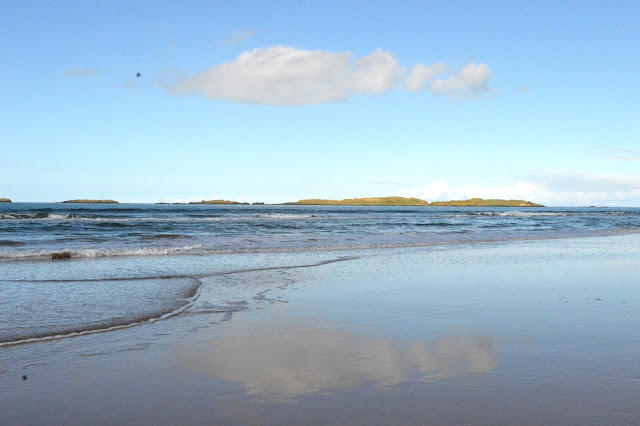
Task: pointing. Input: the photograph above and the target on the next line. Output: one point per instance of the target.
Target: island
(91, 202)
(5, 200)
(479, 202)
(216, 202)
(377, 201)
(402, 201)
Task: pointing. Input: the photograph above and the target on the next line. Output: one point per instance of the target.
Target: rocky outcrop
(5, 200)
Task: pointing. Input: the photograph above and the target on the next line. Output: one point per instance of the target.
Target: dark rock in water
(5, 200)
(258, 204)
(61, 255)
(24, 377)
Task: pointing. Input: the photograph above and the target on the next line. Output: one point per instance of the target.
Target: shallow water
(39, 310)
(49, 300)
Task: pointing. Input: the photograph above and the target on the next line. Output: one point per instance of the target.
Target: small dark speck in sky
(138, 74)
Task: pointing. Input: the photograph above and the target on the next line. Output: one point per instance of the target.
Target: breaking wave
(455, 236)
(518, 213)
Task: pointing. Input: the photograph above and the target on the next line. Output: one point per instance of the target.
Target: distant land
(479, 202)
(402, 201)
(374, 201)
(91, 201)
(377, 201)
(216, 202)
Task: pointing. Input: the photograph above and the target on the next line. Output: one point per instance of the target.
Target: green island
(479, 202)
(91, 202)
(376, 201)
(5, 200)
(216, 202)
(402, 201)
(373, 201)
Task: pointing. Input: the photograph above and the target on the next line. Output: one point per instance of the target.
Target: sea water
(135, 263)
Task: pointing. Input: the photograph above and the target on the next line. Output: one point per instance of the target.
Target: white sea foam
(39, 216)
(346, 242)
(518, 213)
(203, 218)
(89, 253)
(284, 216)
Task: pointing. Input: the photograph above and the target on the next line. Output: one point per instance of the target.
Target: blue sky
(277, 101)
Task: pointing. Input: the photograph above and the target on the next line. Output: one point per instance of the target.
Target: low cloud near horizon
(280, 75)
(546, 187)
(619, 154)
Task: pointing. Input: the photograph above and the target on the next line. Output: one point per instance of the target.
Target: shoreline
(498, 333)
(85, 332)
(160, 316)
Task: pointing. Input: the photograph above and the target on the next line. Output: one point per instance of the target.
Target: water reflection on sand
(284, 362)
(542, 332)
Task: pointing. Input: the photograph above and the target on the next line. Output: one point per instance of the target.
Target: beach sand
(534, 332)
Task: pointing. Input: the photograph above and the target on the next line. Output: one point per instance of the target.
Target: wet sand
(536, 332)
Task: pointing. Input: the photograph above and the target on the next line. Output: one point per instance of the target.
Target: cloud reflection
(283, 362)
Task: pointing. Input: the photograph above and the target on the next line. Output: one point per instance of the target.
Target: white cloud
(82, 72)
(546, 187)
(472, 79)
(422, 73)
(441, 191)
(280, 75)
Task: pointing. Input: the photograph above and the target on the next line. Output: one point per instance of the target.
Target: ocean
(138, 263)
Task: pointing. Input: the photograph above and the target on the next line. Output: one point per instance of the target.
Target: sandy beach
(535, 332)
